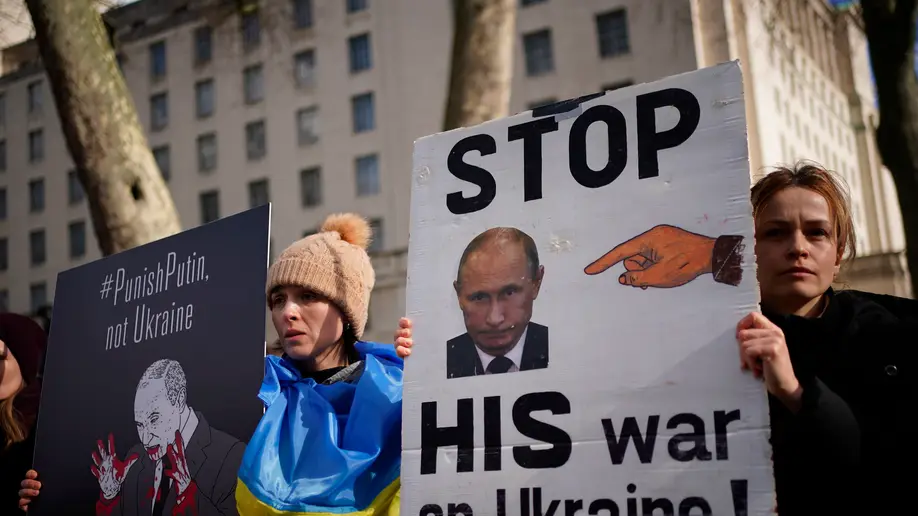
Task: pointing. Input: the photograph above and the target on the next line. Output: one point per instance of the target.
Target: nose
(798, 245)
(145, 436)
(291, 311)
(495, 313)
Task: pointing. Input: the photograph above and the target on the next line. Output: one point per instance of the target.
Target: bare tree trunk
(482, 61)
(890, 27)
(128, 199)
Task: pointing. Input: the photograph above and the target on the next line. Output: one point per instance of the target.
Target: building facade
(313, 105)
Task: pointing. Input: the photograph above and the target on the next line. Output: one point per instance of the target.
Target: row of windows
(38, 251)
(612, 39)
(363, 109)
(37, 195)
(38, 297)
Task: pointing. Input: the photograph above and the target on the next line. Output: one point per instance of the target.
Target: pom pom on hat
(352, 228)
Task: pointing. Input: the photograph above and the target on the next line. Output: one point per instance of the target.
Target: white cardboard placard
(654, 179)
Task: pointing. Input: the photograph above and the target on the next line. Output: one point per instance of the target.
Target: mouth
(289, 334)
(797, 271)
(153, 451)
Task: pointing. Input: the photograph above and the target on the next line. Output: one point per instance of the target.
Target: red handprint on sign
(181, 477)
(108, 469)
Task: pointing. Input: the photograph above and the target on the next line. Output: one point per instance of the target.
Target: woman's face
(307, 324)
(10, 375)
(796, 248)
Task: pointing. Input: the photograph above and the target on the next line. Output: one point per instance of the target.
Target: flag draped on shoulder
(326, 449)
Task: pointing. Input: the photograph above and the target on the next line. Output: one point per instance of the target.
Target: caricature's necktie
(500, 365)
(163, 491)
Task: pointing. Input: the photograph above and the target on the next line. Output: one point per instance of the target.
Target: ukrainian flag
(324, 450)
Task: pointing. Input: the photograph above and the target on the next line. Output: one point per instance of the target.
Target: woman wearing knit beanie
(330, 438)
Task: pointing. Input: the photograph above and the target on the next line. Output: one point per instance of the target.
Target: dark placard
(161, 340)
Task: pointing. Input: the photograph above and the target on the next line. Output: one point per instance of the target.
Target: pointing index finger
(632, 247)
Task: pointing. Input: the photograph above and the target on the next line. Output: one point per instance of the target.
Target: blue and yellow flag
(326, 449)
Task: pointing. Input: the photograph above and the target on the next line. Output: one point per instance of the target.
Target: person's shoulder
(458, 342)
(879, 307)
(219, 438)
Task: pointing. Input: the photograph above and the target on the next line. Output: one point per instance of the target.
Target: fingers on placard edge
(32, 474)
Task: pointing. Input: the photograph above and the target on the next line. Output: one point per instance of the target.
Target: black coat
(15, 461)
(848, 450)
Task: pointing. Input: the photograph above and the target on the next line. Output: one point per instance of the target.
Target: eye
(772, 233)
(477, 297)
(819, 232)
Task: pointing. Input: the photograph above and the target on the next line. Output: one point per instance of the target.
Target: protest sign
(575, 279)
(153, 369)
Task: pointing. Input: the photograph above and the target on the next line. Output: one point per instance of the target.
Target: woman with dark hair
(22, 350)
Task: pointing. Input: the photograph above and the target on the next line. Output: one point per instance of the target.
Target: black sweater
(849, 450)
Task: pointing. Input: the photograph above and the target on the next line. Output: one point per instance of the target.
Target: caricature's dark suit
(213, 459)
(462, 358)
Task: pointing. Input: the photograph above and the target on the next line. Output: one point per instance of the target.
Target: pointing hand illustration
(663, 257)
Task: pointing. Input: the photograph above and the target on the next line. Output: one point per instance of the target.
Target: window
(36, 196)
(203, 45)
(539, 57)
(311, 187)
(74, 188)
(4, 254)
(524, 3)
(376, 234)
(259, 193)
(36, 146)
(77, 234)
(38, 296)
(37, 247)
(207, 152)
(35, 98)
(210, 206)
(612, 30)
(157, 60)
(253, 83)
(163, 158)
(363, 112)
(2, 203)
(2, 109)
(354, 6)
(4, 300)
(255, 140)
(302, 14)
(361, 54)
(159, 111)
(307, 124)
(367, 168)
(541, 103)
(251, 30)
(618, 85)
(304, 69)
(2, 155)
(204, 98)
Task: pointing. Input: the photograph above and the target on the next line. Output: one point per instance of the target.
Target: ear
(538, 281)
